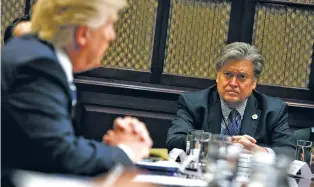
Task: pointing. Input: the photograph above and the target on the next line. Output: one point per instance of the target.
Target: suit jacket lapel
(251, 117)
(214, 113)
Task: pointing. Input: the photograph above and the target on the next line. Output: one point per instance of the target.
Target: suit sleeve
(184, 121)
(283, 142)
(39, 104)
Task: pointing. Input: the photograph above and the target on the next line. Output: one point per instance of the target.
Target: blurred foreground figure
(38, 92)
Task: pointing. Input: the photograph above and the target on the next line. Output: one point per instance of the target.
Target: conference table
(291, 182)
(153, 177)
(162, 178)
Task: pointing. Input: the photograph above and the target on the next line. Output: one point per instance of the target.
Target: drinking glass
(304, 152)
(189, 138)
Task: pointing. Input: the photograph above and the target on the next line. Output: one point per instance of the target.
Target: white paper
(167, 180)
(175, 153)
(302, 182)
(243, 174)
(244, 169)
(245, 160)
(296, 166)
(166, 164)
(292, 182)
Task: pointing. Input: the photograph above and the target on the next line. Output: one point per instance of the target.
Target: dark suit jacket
(202, 110)
(37, 132)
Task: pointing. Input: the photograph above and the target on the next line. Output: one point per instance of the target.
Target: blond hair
(50, 17)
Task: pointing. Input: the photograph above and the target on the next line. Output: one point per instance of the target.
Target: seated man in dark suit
(19, 26)
(234, 108)
(38, 92)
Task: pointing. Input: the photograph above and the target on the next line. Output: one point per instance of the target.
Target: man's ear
(81, 36)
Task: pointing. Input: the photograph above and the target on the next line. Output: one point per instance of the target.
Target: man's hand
(132, 133)
(22, 28)
(139, 148)
(248, 142)
(133, 127)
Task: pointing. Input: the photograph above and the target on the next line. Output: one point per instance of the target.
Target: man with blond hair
(38, 92)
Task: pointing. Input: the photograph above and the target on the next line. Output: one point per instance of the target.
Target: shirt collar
(65, 63)
(226, 109)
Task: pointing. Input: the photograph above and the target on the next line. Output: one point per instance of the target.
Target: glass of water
(222, 160)
(304, 151)
(199, 149)
(203, 142)
(192, 133)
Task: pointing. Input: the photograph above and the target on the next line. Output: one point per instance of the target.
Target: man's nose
(233, 82)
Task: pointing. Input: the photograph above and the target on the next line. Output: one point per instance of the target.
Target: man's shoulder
(199, 96)
(26, 48)
(198, 93)
(269, 102)
(26, 52)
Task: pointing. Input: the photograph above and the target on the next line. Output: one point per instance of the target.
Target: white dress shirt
(226, 109)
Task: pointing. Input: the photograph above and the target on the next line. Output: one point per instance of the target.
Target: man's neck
(233, 105)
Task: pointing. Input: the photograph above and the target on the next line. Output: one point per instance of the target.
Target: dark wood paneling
(235, 22)
(128, 88)
(248, 21)
(160, 40)
(96, 120)
(119, 74)
(27, 7)
(130, 102)
(301, 117)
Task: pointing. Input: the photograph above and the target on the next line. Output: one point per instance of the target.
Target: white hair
(241, 51)
(55, 21)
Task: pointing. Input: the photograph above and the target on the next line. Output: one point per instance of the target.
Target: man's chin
(231, 99)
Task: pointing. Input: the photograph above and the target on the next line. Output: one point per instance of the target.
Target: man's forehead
(239, 66)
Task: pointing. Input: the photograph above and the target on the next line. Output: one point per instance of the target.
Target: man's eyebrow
(244, 73)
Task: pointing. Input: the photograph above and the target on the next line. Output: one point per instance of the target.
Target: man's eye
(228, 74)
(242, 76)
